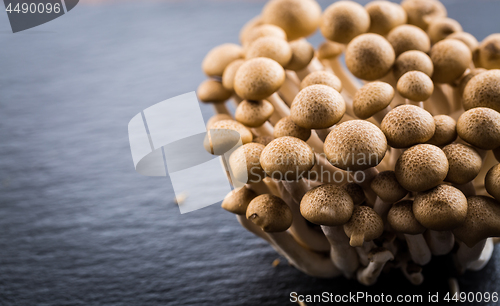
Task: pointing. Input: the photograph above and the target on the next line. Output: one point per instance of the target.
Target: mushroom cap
(249, 26)
(217, 117)
(446, 131)
(298, 18)
(212, 91)
(467, 77)
(441, 28)
(412, 60)
(442, 208)
(384, 16)
(355, 145)
(492, 181)
(366, 222)
(387, 187)
(489, 52)
(253, 113)
(258, 78)
(468, 39)
(330, 50)
(287, 158)
(327, 205)
(407, 125)
(402, 219)
(269, 212)
(245, 163)
(451, 58)
(264, 140)
(271, 47)
(302, 54)
(407, 37)
(372, 98)
(219, 57)
(225, 141)
(230, 73)
(422, 12)
(483, 90)
(483, 221)
(421, 167)
(480, 127)
(264, 30)
(286, 127)
(322, 78)
(356, 192)
(415, 85)
(317, 107)
(344, 20)
(465, 163)
(237, 201)
(369, 56)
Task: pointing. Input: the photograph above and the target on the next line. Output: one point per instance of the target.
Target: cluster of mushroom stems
(381, 163)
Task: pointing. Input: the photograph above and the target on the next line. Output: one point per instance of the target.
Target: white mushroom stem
(438, 102)
(369, 275)
(440, 243)
(349, 82)
(316, 143)
(412, 272)
(323, 133)
(264, 130)
(290, 87)
(382, 208)
(485, 256)
(473, 258)
(467, 189)
(304, 260)
(410, 102)
(380, 115)
(363, 252)
(314, 65)
(280, 107)
(342, 254)
(252, 228)
(394, 156)
(419, 251)
(325, 172)
(220, 108)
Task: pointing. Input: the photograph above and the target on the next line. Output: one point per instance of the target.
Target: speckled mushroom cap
(483, 221)
(286, 127)
(451, 58)
(237, 201)
(218, 117)
(402, 219)
(421, 167)
(365, 225)
(269, 212)
(422, 12)
(356, 192)
(344, 20)
(489, 52)
(412, 60)
(407, 125)
(271, 47)
(219, 57)
(263, 31)
(446, 131)
(468, 39)
(407, 37)
(372, 98)
(385, 16)
(212, 91)
(492, 181)
(264, 140)
(302, 54)
(442, 208)
(253, 113)
(480, 127)
(483, 90)
(327, 205)
(440, 28)
(322, 78)
(287, 158)
(230, 73)
(245, 163)
(245, 134)
(317, 107)
(298, 18)
(465, 163)
(355, 145)
(387, 187)
(330, 50)
(415, 85)
(258, 78)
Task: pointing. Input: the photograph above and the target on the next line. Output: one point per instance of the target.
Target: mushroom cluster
(381, 163)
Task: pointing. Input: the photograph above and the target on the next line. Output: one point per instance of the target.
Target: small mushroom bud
(421, 167)
(441, 28)
(237, 201)
(422, 12)
(219, 57)
(302, 54)
(415, 85)
(265, 30)
(372, 98)
(446, 131)
(408, 37)
(365, 225)
(270, 47)
(270, 213)
(388, 190)
(465, 163)
(253, 113)
(385, 16)
(244, 162)
(407, 125)
(412, 60)
(369, 56)
(286, 127)
(468, 39)
(258, 78)
(212, 91)
(322, 78)
(451, 58)
(442, 208)
(492, 182)
(480, 127)
(483, 91)
(298, 18)
(356, 192)
(344, 20)
(230, 73)
(489, 52)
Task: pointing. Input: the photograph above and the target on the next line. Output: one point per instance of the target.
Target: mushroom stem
(467, 189)
(440, 243)
(280, 107)
(325, 172)
(252, 228)
(314, 65)
(264, 130)
(485, 256)
(439, 103)
(472, 258)
(342, 254)
(382, 207)
(369, 275)
(411, 271)
(290, 88)
(363, 252)
(220, 108)
(419, 251)
(349, 82)
(380, 115)
(364, 179)
(322, 133)
(316, 143)
(410, 102)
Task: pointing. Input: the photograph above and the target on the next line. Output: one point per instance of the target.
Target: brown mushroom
(408, 37)
(218, 117)
(489, 52)
(492, 182)
(465, 163)
(356, 192)
(451, 58)
(229, 74)
(212, 91)
(270, 47)
(253, 113)
(286, 127)
(412, 60)
(384, 16)
(244, 163)
(219, 57)
(302, 55)
(364, 226)
(415, 86)
(373, 99)
(344, 20)
(441, 28)
(219, 142)
(468, 39)
(482, 90)
(422, 12)
(322, 78)
(237, 201)
(258, 78)
(446, 131)
(480, 127)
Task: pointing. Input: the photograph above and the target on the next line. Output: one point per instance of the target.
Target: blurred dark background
(78, 226)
